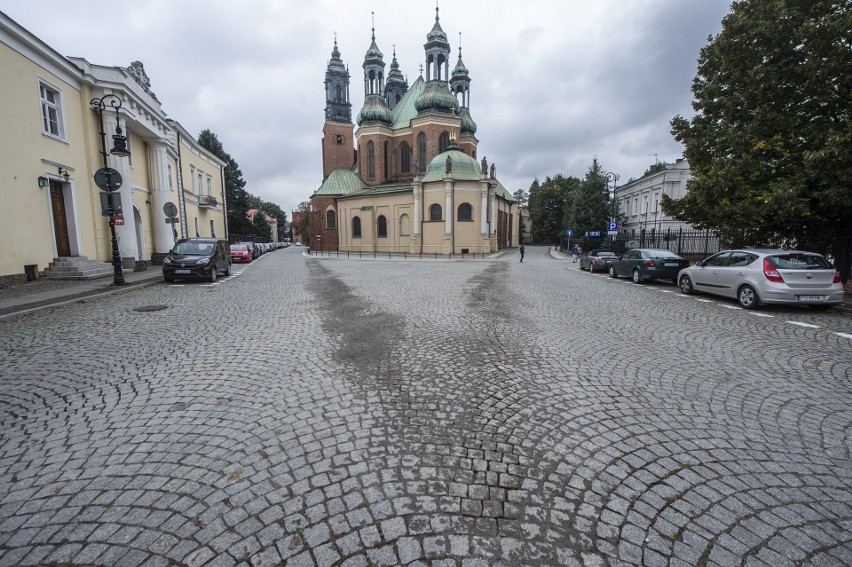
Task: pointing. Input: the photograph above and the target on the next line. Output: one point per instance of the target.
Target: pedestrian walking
(575, 251)
(522, 251)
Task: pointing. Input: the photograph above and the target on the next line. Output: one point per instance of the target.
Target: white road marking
(762, 315)
(844, 335)
(704, 300)
(807, 325)
(734, 307)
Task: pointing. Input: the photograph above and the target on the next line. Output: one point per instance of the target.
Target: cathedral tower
(337, 133)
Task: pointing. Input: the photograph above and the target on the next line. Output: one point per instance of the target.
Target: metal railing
(401, 255)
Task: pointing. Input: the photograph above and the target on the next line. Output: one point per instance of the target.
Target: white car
(756, 277)
(298, 244)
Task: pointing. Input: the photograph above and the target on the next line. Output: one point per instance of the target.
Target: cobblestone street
(325, 411)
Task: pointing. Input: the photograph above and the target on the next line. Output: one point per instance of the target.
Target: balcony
(207, 201)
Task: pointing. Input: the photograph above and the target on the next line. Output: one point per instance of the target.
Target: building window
(421, 151)
(330, 220)
(435, 212)
(443, 142)
(192, 177)
(635, 206)
(404, 225)
(385, 160)
(383, 226)
(405, 158)
(197, 232)
(171, 182)
(212, 228)
(371, 160)
(209, 186)
(465, 212)
(200, 186)
(52, 121)
(356, 227)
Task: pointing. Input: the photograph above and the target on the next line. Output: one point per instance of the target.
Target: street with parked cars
(640, 264)
(597, 260)
(408, 411)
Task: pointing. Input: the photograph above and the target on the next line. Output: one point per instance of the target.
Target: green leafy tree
(260, 227)
(235, 194)
(547, 203)
(770, 146)
(590, 207)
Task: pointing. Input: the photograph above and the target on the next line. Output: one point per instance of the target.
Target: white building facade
(640, 200)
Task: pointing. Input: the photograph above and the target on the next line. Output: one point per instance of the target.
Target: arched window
(371, 160)
(421, 151)
(356, 227)
(435, 212)
(443, 142)
(404, 225)
(330, 219)
(465, 212)
(383, 226)
(405, 158)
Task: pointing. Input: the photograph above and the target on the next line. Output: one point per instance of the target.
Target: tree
(547, 202)
(260, 227)
(235, 194)
(299, 226)
(770, 146)
(590, 207)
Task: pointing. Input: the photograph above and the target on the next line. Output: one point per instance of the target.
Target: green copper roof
(404, 111)
(341, 182)
(385, 189)
(504, 193)
(465, 168)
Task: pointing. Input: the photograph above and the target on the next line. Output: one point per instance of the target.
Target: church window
(371, 160)
(330, 220)
(383, 226)
(405, 158)
(435, 212)
(339, 139)
(421, 151)
(356, 227)
(443, 142)
(465, 212)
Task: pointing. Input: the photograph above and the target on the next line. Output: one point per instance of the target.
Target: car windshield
(239, 247)
(193, 248)
(799, 261)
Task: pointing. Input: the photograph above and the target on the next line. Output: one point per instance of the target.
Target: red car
(240, 253)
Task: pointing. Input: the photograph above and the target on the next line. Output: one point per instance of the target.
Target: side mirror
(699, 263)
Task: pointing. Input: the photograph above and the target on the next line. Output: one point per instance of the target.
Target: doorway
(60, 219)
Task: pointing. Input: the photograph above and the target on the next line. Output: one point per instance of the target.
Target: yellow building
(51, 212)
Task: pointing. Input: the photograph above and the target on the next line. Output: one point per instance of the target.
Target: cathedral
(408, 179)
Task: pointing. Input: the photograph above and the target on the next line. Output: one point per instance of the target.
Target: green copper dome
(468, 125)
(436, 96)
(375, 110)
(464, 167)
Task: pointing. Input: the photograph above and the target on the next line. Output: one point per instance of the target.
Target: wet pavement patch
(147, 308)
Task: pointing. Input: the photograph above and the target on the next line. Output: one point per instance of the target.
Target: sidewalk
(30, 297)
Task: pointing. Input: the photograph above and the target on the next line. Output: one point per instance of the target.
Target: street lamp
(615, 177)
(111, 179)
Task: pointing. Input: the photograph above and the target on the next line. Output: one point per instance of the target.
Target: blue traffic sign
(594, 233)
(569, 232)
(611, 226)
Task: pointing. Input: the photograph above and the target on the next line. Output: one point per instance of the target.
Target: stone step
(77, 268)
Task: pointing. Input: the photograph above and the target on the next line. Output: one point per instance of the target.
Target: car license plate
(183, 271)
(810, 298)
(670, 264)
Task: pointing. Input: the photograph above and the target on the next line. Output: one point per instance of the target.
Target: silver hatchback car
(756, 277)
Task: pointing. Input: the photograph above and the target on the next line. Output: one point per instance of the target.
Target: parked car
(298, 244)
(755, 277)
(642, 264)
(241, 253)
(255, 250)
(201, 258)
(597, 260)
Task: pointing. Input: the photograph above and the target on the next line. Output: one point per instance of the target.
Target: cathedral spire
(337, 105)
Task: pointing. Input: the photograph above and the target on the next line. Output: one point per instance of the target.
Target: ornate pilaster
(158, 158)
(448, 217)
(418, 191)
(483, 216)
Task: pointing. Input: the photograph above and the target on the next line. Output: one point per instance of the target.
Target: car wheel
(612, 272)
(685, 285)
(214, 273)
(228, 270)
(591, 268)
(637, 277)
(747, 297)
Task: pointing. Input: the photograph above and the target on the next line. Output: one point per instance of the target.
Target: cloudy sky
(554, 83)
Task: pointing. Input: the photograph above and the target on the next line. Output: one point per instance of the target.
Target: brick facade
(328, 237)
(338, 151)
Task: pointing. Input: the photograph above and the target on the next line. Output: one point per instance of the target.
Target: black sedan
(642, 264)
(597, 260)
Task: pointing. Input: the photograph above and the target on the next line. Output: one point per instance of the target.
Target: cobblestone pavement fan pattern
(341, 412)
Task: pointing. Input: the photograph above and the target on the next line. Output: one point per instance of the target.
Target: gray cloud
(554, 84)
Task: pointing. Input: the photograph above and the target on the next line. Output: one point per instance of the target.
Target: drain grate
(146, 308)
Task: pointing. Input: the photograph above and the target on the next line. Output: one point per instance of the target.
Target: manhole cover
(146, 308)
